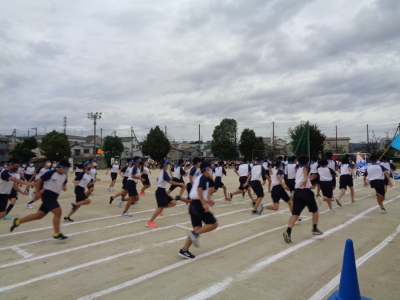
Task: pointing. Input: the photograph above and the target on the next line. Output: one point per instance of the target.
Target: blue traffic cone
(348, 288)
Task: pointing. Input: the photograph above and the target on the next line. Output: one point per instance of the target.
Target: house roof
(339, 138)
(3, 137)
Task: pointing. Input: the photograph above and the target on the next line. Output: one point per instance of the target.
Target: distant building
(343, 144)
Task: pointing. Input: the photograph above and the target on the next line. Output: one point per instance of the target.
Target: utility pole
(65, 125)
(165, 131)
(367, 139)
(131, 141)
(336, 139)
(199, 142)
(273, 139)
(94, 117)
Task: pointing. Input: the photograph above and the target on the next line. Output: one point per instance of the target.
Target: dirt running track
(111, 257)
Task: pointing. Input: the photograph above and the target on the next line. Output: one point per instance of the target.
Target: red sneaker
(151, 224)
(142, 194)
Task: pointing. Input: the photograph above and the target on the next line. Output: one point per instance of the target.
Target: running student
(124, 173)
(39, 173)
(199, 210)
(333, 165)
(78, 168)
(258, 174)
(244, 173)
(219, 172)
(290, 172)
(53, 182)
(29, 173)
(268, 167)
(81, 182)
(388, 166)
(346, 178)
(279, 189)
(13, 197)
(144, 171)
(376, 175)
(302, 197)
(114, 169)
(131, 185)
(7, 183)
(326, 175)
(194, 172)
(314, 171)
(162, 197)
(93, 174)
(177, 176)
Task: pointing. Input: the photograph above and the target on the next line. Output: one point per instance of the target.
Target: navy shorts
(379, 186)
(218, 183)
(172, 187)
(131, 187)
(346, 181)
(326, 189)
(198, 215)
(80, 194)
(257, 188)
(113, 176)
(162, 198)
(124, 183)
(242, 181)
(278, 193)
(3, 202)
(49, 201)
(146, 179)
(301, 199)
(316, 180)
(291, 183)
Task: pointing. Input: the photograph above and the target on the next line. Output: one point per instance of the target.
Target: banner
(361, 167)
(99, 151)
(396, 142)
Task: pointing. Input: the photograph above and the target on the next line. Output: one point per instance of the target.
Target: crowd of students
(290, 179)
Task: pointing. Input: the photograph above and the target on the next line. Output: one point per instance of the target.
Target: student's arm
(305, 175)
(265, 175)
(279, 176)
(203, 186)
(192, 172)
(134, 170)
(7, 177)
(365, 178)
(388, 178)
(16, 187)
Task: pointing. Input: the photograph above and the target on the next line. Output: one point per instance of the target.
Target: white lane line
(326, 289)
(118, 238)
(183, 227)
(21, 252)
(161, 244)
(216, 288)
(225, 283)
(120, 224)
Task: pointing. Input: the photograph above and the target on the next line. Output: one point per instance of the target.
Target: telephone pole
(65, 125)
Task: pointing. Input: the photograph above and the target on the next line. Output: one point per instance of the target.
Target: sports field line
(326, 289)
(207, 294)
(108, 258)
(222, 285)
(116, 225)
(114, 239)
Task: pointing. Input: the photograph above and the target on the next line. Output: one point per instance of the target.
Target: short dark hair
(345, 160)
(303, 159)
(221, 163)
(181, 161)
(164, 162)
(196, 160)
(136, 158)
(14, 160)
(314, 158)
(64, 163)
(328, 154)
(204, 165)
(323, 162)
(373, 158)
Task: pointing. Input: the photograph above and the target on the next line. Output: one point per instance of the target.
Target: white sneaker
(29, 206)
(119, 201)
(126, 215)
(109, 189)
(112, 188)
(383, 211)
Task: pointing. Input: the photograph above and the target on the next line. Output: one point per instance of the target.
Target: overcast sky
(183, 63)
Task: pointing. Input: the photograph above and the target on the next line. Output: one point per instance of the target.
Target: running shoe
(185, 254)
(260, 209)
(317, 232)
(142, 194)
(109, 189)
(331, 211)
(126, 215)
(338, 201)
(243, 194)
(287, 237)
(230, 197)
(68, 219)
(254, 212)
(6, 218)
(120, 202)
(29, 206)
(73, 207)
(60, 236)
(14, 225)
(111, 199)
(298, 221)
(253, 203)
(227, 199)
(383, 211)
(134, 203)
(194, 237)
(151, 224)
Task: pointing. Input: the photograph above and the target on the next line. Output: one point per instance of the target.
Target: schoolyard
(110, 257)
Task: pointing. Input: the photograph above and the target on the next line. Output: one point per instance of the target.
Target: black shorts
(334, 182)
(188, 188)
(257, 188)
(218, 183)
(28, 177)
(379, 186)
(301, 199)
(3, 202)
(162, 198)
(172, 187)
(316, 180)
(385, 181)
(49, 201)
(146, 179)
(80, 194)
(278, 192)
(131, 187)
(113, 176)
(211, 183)
(124, 183)
(13, 195)
(242, 181)
(345, 181)
(326, 189)
(198, 215)
(291, 183)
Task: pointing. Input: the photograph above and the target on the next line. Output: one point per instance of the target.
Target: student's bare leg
(342, 192)
(159, 210)
(273, 206)
(315, 217)
(72, 211)
(182, 190)
(250, 194)
(352, 193)
(3, 213)
(329, 201)
(129, 202)
(206, 228)
(290, 204)
(56, 219)
(380, 200)
(257, 203)
(292, 221)
(224, 188)
(32, 217)
(112, 183)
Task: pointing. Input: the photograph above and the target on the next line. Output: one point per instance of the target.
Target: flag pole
(390, 142)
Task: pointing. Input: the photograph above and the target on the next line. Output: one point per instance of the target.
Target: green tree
(224, 139)
(156, 144)
(250, 145)
(112, 147)
(23, 150)
(306, 138)
(55, 146)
